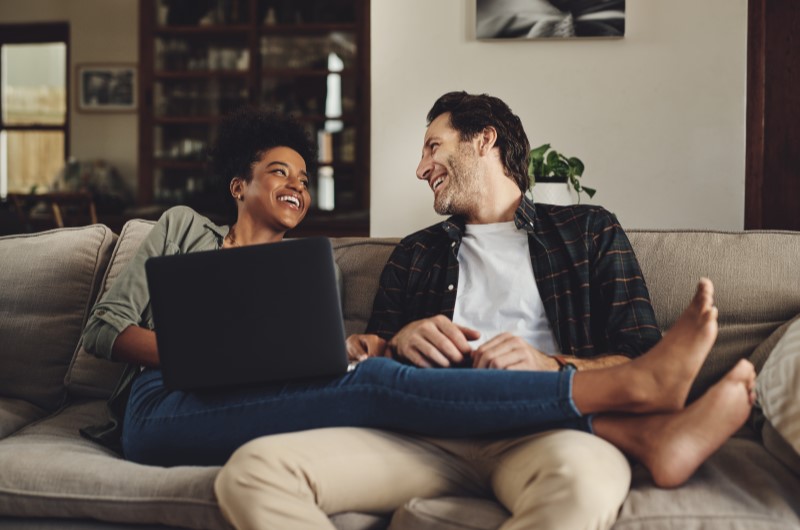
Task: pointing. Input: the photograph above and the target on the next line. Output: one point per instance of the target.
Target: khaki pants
(553, 480)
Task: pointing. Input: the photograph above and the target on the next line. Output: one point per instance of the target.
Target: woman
(263, 158)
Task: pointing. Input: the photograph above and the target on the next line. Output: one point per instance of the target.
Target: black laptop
(254, 314)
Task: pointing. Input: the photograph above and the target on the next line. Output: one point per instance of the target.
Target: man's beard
(464, 184)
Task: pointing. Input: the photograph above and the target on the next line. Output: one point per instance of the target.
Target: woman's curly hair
(245, 135)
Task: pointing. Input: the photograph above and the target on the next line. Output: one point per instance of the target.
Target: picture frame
(549, 19)
(106, 87)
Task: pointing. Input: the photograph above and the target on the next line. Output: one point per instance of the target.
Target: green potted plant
(553, 168)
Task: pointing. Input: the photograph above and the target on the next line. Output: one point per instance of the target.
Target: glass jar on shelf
(201, 12)
(307, 51)
(275, 12)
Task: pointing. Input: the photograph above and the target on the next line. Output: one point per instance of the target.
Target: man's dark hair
(242, 139)
(470, 113)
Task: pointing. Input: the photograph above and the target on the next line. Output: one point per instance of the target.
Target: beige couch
(52, 478)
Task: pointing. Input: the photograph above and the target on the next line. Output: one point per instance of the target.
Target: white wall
(657, 117)
(101, 31)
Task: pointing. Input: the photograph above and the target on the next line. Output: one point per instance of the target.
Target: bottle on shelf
(325, 189)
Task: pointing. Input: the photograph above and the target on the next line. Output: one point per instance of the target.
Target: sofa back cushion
(755, 274)
(48, 282)
(87, 375)
(361, 261)
(756, 277)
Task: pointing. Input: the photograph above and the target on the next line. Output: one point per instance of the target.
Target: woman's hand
(362, 345)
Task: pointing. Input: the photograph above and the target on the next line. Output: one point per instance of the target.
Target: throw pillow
(88, 375)
(777, 387)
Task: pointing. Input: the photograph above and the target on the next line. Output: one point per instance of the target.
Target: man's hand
(509, 352)
(362, 345)
(434, 341)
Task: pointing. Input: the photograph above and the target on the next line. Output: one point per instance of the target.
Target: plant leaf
(560, 169)
(548, 165)
(577, 166)
(539, 152)
(535, 167)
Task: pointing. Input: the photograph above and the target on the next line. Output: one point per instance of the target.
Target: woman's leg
(659, 380)
(172, 427)
(673, 445)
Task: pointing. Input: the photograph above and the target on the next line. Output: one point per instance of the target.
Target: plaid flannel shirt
(593, 290)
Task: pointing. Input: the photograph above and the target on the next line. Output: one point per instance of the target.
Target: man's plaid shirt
(590, 282)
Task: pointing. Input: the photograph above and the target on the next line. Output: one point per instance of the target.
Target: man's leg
(560, 479)
(293, 481)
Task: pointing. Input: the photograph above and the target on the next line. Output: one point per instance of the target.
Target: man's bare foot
(673, 445)
(661, 378)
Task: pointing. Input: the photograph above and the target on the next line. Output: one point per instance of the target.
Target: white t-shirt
(497, 291)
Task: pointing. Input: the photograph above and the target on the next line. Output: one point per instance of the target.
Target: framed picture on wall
(106, 87)
(542, 19)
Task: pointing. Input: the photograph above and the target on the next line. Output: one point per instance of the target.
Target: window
(34, 116)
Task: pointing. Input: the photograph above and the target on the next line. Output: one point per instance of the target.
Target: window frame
(39, 33)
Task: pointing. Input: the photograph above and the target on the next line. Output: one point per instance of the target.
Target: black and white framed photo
(543, 19)
(106, 87)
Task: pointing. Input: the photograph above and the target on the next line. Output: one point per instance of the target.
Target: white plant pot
(553, 193)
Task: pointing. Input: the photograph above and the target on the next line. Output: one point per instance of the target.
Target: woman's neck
(243, 233)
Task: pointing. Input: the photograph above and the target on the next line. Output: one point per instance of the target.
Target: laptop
(247, 315)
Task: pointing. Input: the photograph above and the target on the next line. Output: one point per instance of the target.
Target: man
(518, 286)
(501, 284)
(575, 286)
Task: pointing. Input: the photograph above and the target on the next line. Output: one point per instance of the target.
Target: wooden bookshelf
(201, 59)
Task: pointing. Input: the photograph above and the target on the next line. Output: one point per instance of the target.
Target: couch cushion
(751, 306)
(87, 375)
(450, 513)
(741, 487)
(361, 261)
(753, 299)
(16, 413)
(348, 521)
(49, 279)
(50, 471)
(29, 523)
(776, 444)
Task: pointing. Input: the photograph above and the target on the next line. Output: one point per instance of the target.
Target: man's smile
(437, 181)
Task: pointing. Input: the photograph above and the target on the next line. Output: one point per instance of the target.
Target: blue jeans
(164, 427)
